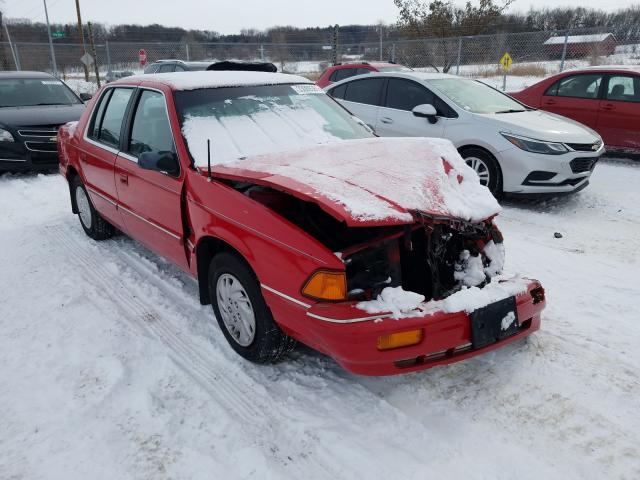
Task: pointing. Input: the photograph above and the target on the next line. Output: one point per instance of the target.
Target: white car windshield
(248, 121)
(476, 97)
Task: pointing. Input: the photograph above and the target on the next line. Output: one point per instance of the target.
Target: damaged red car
(298, 223)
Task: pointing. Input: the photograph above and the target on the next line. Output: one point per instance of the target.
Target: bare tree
(442, 20)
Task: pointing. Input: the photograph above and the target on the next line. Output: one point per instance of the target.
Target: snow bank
(381, 178)
(467, 299)
(196, 80)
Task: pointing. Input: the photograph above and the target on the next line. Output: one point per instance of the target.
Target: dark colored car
(114, 75)
(339, 72)
(606, 99)
(167, 66)
(32, 107)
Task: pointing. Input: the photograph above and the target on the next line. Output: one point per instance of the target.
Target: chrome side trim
(26, 145)
(13, 159)
(285, 296)
(350, 320)
(171, 234)
(106, 199)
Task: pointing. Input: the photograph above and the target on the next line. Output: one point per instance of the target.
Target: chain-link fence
(534, 54)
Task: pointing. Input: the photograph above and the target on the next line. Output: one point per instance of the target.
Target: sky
(232, 16)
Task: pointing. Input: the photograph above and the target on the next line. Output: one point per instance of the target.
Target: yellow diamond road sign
(506, 61)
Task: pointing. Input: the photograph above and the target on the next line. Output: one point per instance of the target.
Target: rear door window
(577, 86)
(367, 91)
(111, 125)
(96, 121)
(623, 88)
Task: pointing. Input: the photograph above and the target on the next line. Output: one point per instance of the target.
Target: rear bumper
(340, 331)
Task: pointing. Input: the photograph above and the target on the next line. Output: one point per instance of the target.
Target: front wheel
(486, 167)
(242, 313)
(92, 223)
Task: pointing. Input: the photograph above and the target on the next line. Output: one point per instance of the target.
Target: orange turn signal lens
(400, 339)
(326, 285)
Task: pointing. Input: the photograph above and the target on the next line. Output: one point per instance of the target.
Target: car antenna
(209, 158)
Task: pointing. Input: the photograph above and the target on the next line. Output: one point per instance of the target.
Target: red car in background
(341, 71)
(298, 222)
(607, 99)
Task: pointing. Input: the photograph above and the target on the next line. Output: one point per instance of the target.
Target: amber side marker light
(400, 339)
(326, 285)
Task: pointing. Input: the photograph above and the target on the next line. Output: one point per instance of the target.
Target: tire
(242, 313)
(92, 223)
(486, 167)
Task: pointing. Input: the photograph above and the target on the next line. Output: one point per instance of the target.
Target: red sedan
(298, 223)
(339, 72)
(607, 99)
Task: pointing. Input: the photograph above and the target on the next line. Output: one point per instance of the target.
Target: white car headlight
(536, 146)
(5, 136)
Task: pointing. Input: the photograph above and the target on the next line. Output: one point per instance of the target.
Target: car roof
(212, 79)
(606, 68)
(25, 74)
(371, 64)
(410, 75)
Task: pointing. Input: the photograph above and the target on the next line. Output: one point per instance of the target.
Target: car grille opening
(582, 165)
(584, 147)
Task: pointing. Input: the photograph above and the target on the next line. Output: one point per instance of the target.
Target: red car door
(150, 200)
(575, 96)
(619, 112)
(100, 148)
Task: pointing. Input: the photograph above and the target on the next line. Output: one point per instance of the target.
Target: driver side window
(151, 130)
(577, 86)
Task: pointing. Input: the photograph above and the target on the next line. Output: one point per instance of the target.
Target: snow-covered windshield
(248, 121)
(476, 97)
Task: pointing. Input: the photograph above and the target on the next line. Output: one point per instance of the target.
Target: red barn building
(582, 45)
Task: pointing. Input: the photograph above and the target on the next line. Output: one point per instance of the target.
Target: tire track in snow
(228, 387)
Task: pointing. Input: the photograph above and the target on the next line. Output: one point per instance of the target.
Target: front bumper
(530, 173)
(342, 332)
(34, 149)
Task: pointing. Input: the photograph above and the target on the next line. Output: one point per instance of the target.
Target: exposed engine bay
(434, 257)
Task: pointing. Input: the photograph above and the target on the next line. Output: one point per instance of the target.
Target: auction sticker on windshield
(306, 89)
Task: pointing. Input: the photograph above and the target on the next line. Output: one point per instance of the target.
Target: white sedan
(513, 148)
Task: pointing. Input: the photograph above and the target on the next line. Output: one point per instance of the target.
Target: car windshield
(27, 92)
(476, 97)
(247, 121)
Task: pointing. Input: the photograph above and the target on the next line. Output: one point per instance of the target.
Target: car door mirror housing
(427, 111)
(164, 162)
(85, 97)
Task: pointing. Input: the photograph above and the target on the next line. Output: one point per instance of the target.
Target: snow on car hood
(542, 126)
(374, 181)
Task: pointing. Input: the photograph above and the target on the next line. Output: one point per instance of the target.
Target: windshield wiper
(512, 110)
(47, 103)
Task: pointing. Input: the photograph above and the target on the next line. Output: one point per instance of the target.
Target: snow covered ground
(110, 368)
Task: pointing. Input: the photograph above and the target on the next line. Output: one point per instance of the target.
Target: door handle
(386, 120)
(550, 102)
(124, 178)
(608, 106)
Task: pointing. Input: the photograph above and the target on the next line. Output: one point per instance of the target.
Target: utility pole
(334, 47)
(95, 56)
(381, 31)
(53, 54)
(84, 47)
(13, 48)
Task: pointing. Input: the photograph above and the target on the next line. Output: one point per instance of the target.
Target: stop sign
(142, 56)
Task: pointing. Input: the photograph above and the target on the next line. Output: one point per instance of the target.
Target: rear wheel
(92, 223)
(242, 313)
(486, 167)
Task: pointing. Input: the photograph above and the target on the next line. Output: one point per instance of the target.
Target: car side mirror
(163, 161)
(85, 97)
(426, 110)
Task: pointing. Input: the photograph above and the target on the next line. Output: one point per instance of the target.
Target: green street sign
(57, 34)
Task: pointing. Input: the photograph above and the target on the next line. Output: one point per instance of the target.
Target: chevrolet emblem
(53, 139)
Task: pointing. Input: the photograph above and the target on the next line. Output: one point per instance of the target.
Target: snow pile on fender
(374, 181)
(395, 300)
